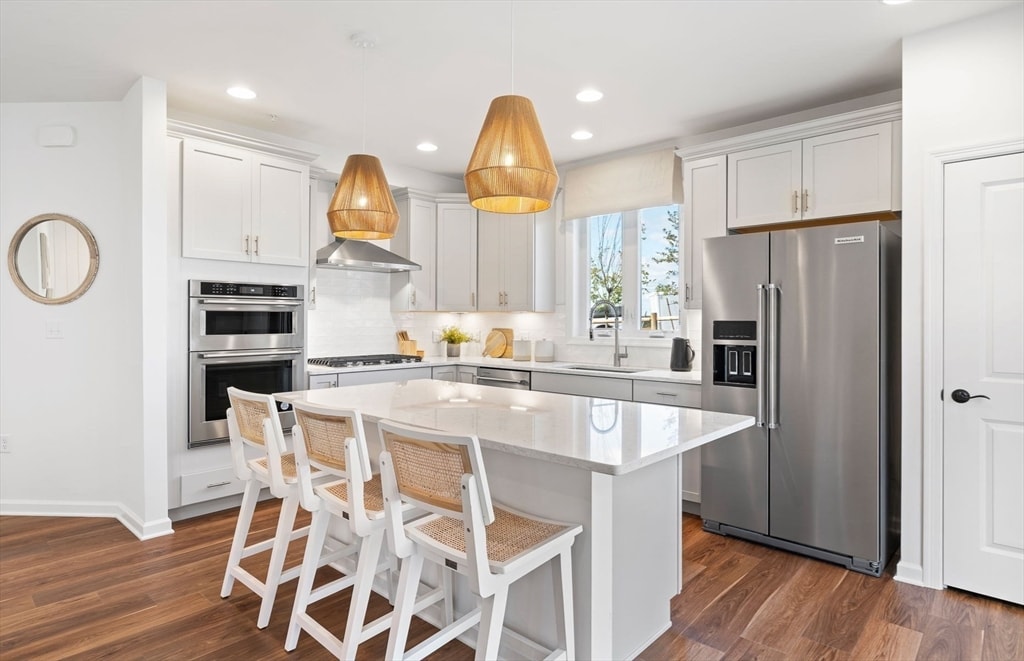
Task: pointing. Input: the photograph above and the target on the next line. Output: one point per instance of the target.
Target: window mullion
(630, 274)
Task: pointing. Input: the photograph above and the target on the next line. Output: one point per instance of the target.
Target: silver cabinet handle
(687, 292)
(796, 202)
(412, 299)
(762, 347)
(666, 394)
(218, 484)
(472, 299)
(257, 243)
(247, 244)
(807, 197)
(773, 358)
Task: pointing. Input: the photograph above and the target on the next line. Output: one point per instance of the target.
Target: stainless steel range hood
(362, 256)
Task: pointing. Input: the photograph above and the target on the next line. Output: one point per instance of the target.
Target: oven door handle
(248, 354)
(251, 302)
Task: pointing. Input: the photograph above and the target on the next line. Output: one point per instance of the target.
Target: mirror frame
(94, 258)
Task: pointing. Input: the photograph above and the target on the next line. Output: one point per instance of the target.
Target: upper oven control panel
(241, 289)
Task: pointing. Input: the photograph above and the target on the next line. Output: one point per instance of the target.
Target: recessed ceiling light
(241, 93)
(426, 146)
(582, 134)
(589, 95)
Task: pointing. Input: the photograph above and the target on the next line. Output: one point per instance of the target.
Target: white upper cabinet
(245, 206)
(838, 174)
(415, 239)
(516, 262)
(456, 256)
(704, 184)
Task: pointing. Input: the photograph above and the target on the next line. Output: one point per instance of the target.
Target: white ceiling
(668, 69)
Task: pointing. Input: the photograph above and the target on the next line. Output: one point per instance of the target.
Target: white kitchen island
(609, 465)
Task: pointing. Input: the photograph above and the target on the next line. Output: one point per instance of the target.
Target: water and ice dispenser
(734, 361)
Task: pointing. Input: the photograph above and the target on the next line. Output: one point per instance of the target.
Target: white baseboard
(127, 518)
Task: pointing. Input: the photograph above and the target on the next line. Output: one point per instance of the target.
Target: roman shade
(637, 181)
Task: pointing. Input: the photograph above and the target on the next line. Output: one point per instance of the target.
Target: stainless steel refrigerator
(801, 330)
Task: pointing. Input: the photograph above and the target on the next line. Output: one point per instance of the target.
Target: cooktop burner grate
(368, 359)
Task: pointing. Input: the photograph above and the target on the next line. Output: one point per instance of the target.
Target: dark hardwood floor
(86, 588)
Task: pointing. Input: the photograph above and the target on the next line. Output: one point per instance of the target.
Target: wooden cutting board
(507, 332)
(496, 344)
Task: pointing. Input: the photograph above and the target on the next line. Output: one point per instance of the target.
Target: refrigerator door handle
(773, 356)
(762, 343)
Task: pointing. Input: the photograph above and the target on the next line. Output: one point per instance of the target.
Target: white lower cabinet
(317, 381)
(383, 376)
(671, 394)
(208, 485)
(584, 386)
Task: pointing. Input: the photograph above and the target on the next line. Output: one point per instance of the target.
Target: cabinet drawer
(660, 392)
(208, 485)
(323, 381)
(383, 376)
(584, 386)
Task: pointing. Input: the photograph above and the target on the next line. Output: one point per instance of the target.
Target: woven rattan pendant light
(511, 170)
(363, 206)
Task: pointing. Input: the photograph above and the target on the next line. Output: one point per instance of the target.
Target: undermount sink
(606, 368)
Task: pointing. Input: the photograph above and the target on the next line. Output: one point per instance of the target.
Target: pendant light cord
(363, 92)
(511, 46)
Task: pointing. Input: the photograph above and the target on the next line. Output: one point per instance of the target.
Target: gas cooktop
(369, 359)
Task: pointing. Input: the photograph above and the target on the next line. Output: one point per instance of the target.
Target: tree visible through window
(633, 262)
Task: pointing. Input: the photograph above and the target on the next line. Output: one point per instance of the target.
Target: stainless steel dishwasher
(503, 378)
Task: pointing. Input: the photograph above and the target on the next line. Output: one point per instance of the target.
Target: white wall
(963, 86)
(74, 407)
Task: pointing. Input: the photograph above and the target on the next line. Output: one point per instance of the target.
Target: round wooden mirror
(53, 258)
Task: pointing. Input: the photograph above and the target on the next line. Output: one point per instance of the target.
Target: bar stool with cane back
(332, 441)
(253, 422)
(493, 546)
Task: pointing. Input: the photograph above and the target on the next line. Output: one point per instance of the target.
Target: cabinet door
(456, 257)
(415, 239)
(703, 217)
(518, 262)
(216, 198)
(849, 172)
(490, 251)
(320, 193)
(280, 212)
(764, 185)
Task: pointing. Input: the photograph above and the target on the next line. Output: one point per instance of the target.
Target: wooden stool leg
(310, 561)
(405, 603)
(366, 568)
(492, 616)
(245, 512)
(285, 525)
(561, 570)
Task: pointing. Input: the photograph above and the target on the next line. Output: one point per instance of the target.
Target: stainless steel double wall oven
(249, 336)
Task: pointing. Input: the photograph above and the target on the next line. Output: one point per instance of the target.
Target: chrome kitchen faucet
(605, 303)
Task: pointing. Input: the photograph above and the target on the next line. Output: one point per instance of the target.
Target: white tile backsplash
(353, 316)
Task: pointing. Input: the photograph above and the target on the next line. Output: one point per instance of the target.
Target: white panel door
(848, 172)
(456, 257)
(491, 242)
(216, 200)
(703, 217)
(763, 185)
(280, 223)
(983, 357)
(517, 262)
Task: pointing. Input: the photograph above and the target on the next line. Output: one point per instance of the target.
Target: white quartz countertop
(642, 373)
(601, 435)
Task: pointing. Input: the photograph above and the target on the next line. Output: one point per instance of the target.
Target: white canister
(522, 350)
(544, 351)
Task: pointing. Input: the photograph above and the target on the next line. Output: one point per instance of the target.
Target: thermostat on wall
(56, 136)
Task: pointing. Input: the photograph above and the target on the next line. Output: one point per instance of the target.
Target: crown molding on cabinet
(848, 120)
(184, 129)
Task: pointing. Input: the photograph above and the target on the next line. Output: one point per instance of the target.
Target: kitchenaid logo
(841, 240)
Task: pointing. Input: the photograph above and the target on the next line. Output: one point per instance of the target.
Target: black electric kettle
(682, 355)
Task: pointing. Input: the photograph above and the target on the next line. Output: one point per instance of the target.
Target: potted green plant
(454, 337)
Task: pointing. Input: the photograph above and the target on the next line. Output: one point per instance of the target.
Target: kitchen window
(631, 259)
